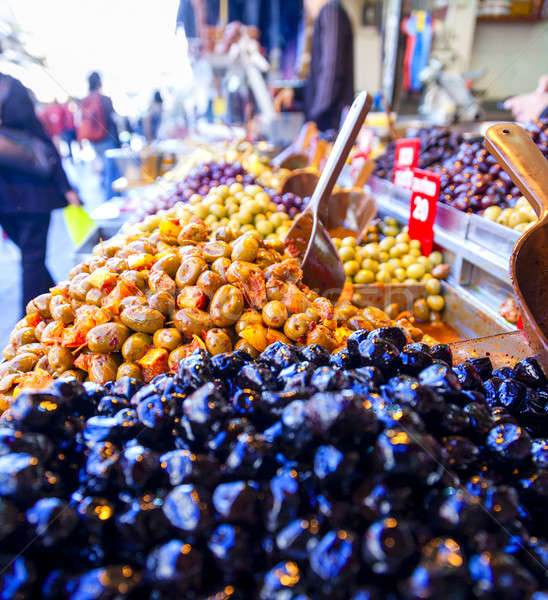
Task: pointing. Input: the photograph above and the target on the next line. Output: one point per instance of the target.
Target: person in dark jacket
(330, 84)
(26, 201)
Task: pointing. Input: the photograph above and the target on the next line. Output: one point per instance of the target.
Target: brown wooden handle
(519, 156)
(320, 152)
(365, 173)
(341, 149)
(308, 130)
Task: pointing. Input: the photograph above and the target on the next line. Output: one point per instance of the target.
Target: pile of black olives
(381, 471)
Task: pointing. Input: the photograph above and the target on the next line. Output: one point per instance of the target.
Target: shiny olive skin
(127, 369)
(168, 338)
(323, 336)
(245, 248)
(274, 314)
(103, 368)
(209, 282)
(218, 341)
(189, 271)
(194, 232)
(176, 356)
(136, 277)
(214, 250)
(168, 264)
(130, 302)
(79, 287)
(23, 336)
(60, 359)
(420, 309)
(297, 325)
(61, 310)
(162, 302)
(143, 319)
(109, 337)
(40, 304)
(221, 266)
(345, 312)
(23, 362)
(227, 306)
(249, 317)
(94, 296)
(246, 347)
(192, 321)
(136, 346)
(9, 352)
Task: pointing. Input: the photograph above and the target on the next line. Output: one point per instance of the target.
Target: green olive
(189, 271)
(94, 296)
(60, 359)
(297, 326)
(169, 264)
(364, 276)
(249, 317)
(9, 352)
(136, 346)
(108, 337)
(192, 321)
(433, 286)
(246, 347)
(274, 314)
(323, 336)
(136, 277)
(163, 302)
(343, 312)
(209, 282)
(221, 266)
(23, 362)
(194, 232)
(79, 287)
(130, 302)
(218, 341)
(214, 250)
(227, 306)
(116, 264)
(103, 368)
(25, 335)
(142, 319)
(420, 310)
(435, 302)
(245, 248)
(416, 271)
(168, 338)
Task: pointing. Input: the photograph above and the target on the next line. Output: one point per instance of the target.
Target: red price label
(425, 191)
(406, 158)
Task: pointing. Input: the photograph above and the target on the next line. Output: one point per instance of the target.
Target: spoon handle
(343, 144)
(519, 156)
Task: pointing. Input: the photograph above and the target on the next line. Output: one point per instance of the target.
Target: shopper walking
(97, 125)
(330, 84)
(26, 200)
(153, 117)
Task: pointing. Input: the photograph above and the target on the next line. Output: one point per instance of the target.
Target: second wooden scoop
(518, 155)
(322, 267)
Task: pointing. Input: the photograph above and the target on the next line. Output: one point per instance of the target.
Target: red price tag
(406, 158)
(425, 191)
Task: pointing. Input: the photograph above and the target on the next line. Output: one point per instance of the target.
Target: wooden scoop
(302, 182)
(322, 267)
(518, 155)
(294, 156)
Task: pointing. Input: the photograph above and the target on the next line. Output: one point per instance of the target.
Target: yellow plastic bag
(79, 223)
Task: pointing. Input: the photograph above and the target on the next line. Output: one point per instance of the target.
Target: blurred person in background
(153, 117)
(534, 105)
(52, 116)
(68, 134)
(98, 125)
(330, 83)
(26, 201)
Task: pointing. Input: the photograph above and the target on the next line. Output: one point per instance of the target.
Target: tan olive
(192, 321)
(63, 311)
(160, 281)
(221, 266)
(226, 234)
(189, 271)
(103, 368)
(246, 347)
(136, 346)
(218, 341)
(297, 326)
(77, 374)
(168, 338)
(23, 336)
(227, 306)
(344, 312)
(245, 248)
(189, 250)
(266, 258)
(209, 282)
(176, 356)
(24, 362)
(9, 352)
(142, 319)
(141, 245)
(60, 359)
(249, 317)
(118, 265)
(94, 296)
(136, 277)
(43, 363)
(127, 369)
(39, 329)
(34, 348)
(214, 250)
(421, 312)
(274, 314)
(6, 383)
(169, 264)
(130, 302)
(109, 337)
(162, 302)
(79, 287)
(95, 263)
(194, 232)
(323, 336)
(81, 268)
(392, 310)
(40, 304)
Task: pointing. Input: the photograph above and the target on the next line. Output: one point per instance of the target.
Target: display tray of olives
(383, 471)
(492, 235)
